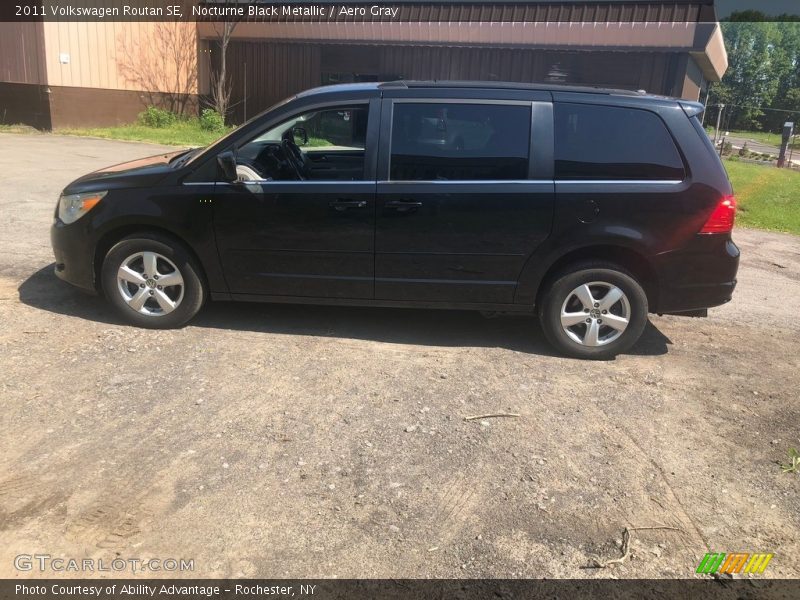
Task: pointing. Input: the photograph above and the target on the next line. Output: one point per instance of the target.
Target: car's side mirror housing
(300, 135)
(227, 165)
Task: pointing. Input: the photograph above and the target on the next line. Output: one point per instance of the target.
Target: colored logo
(738, 562)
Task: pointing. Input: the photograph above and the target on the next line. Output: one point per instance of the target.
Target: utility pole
(708, 95)
(719, 120)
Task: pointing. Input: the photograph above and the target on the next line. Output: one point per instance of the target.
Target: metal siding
(273, 71)
(102, 54)
(277, 70)
(21, 53)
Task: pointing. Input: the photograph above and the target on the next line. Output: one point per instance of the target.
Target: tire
(144, 301)
(588, 332)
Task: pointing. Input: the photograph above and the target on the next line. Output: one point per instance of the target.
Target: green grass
(5, 128)
(315, 142)
(765, 137)
(768, 198)
(182, 133)
(793, 466)
(185, 132)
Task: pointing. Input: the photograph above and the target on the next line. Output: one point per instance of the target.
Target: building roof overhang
(686, 26)
(702, 40)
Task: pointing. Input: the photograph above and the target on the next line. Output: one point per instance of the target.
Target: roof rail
(439, 83)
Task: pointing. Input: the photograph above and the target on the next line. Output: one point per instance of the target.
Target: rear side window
(459, 141)
(608, 142)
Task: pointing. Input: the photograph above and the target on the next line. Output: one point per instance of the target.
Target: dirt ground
(298, 441)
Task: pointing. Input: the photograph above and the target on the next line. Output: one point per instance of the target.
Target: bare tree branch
(221, 87)
(162, 63)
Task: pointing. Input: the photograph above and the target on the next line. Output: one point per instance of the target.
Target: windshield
(227, 138)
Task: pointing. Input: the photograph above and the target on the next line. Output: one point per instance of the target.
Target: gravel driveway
(271, 440)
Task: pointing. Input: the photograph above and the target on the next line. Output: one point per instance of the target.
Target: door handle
(344, 204)
(402, 205)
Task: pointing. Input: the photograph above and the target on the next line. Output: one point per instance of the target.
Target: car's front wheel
(152, 281)
(594, 311)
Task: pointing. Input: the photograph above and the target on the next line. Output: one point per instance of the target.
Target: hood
(136, 173)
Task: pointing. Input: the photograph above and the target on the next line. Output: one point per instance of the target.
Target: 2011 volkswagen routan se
(591, 207)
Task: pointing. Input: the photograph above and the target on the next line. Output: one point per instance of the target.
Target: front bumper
(74, 253)
(700, 275)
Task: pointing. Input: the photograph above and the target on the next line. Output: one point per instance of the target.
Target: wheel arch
(113, 236)
(626, 257)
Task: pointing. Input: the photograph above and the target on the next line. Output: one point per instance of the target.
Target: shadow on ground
(426, 327)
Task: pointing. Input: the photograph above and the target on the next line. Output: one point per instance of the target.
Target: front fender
(185, 212)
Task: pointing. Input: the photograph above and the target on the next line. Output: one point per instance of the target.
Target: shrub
(211, 120)
(157, 117)
(727, 148)
(744, 150)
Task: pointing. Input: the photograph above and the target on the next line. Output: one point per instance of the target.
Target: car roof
(498, 90)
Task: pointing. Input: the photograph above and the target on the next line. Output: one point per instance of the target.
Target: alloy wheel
(150, 284)
(595, 314)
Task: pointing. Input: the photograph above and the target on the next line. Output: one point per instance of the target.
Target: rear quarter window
(613, 143)
(709, 145)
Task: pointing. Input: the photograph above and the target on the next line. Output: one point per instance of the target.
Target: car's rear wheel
(152, 281)
(594, 311)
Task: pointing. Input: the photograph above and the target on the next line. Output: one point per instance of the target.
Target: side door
(306, 233)
(465, 195)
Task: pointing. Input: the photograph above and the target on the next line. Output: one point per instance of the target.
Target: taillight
(721, 220)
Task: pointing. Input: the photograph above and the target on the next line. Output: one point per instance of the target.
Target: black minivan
(591, 207)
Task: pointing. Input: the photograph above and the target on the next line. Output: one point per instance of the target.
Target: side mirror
(227, 164)
(300, 135)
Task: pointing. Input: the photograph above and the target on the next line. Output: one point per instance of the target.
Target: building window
(605, 142)
(459, 141)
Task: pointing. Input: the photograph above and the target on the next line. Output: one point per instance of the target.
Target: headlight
(73, 207)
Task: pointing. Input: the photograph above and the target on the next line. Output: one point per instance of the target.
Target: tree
(161, 61)
(752, 79)
(221, 87)
(763, 72)
(788, 96)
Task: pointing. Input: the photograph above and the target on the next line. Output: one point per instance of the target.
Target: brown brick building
(55, 74)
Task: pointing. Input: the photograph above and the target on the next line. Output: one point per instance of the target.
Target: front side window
(318, 145)
(608, 142)
(459, 141)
